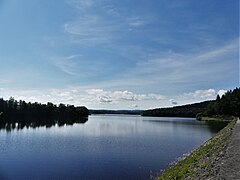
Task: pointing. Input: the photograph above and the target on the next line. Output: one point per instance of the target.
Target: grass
(216, 118)
(201, 162)
(209, 119)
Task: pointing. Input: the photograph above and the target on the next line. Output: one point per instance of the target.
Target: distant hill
(130, 112)
(190, 110)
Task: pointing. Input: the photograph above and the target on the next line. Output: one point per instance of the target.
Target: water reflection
(214, 126)
(19, 124)
(115, 126)
(106, 147)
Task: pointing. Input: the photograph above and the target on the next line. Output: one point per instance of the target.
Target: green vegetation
(190, 110)
(13, 111)
(201, 163)
(215, 118)
(223, 107)
(209, 119)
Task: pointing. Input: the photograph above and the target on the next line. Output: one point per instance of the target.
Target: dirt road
(230, 167)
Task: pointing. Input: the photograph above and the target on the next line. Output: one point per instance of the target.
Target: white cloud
(214, 55)
(115, 96)
(181, 70)
(221, 92)
(67, 64)
(91, 29)
(101, 23)
(129, 96)
(104, 99)
(201, 94)
(56, 96)
(135, 21)
(134, 106)
(80, 66)
(193, 97)
(32, 99)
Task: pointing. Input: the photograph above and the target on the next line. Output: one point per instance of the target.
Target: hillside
(190, 110)
(227, 105)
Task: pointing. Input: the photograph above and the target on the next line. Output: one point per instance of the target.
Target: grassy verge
(215, 118)
(203, 163)
(209, 119)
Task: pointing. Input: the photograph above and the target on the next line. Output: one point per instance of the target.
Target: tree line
(12, 111)
(190, 110)
(227, 105)
(223, 108)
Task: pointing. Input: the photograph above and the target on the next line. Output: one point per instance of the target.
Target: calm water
(105, 147)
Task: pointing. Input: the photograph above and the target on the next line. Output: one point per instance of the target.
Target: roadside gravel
(230, 165)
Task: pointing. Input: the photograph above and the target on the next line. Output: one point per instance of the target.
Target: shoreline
(203, 162)
(216, 118)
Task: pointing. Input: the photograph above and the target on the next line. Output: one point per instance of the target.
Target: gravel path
(230, 165)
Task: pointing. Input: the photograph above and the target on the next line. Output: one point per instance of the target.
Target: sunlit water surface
(105, 147)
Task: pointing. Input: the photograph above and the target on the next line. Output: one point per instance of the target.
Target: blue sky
(110, 54)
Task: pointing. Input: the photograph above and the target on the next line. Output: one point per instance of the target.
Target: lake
(104, 147)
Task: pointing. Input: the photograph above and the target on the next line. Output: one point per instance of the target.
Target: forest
(227, 105)
(37, 114)
(190, 110)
